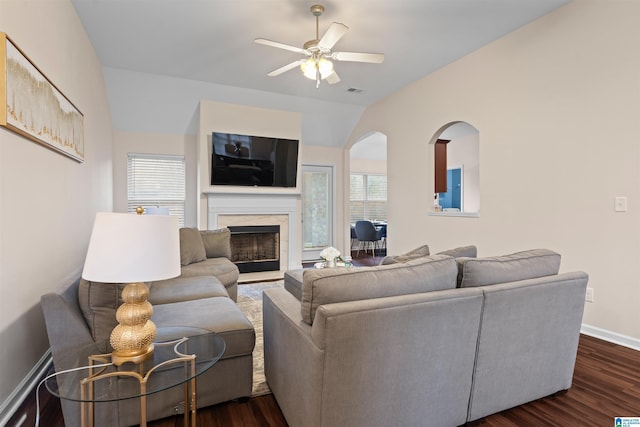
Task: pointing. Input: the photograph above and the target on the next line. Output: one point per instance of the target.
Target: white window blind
(156, 181)
(368, 197)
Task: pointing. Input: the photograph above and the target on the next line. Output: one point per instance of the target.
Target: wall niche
(456, 169)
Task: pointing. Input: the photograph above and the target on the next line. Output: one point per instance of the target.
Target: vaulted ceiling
(213, 40)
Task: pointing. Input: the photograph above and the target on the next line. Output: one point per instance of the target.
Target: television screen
(253, 160)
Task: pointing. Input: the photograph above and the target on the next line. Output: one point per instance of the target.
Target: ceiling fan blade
(331, 37)
(285, 68)
(280, 45)
(333, 78)
(375, 58)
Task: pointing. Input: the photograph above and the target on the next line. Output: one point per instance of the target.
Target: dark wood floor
(606, 384)
(365, 259)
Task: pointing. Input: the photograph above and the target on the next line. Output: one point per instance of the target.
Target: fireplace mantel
(253, 205)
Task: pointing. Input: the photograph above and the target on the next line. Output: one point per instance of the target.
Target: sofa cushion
(460, 252)
(508, 268)
(217, 243)
(332, 285)
(98, 303)
(418, 252)
(185, 289)
(223, 269)
(218, 314)
(191, 246)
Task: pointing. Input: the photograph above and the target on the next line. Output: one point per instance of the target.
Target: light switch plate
(621, 204)
(589, 295)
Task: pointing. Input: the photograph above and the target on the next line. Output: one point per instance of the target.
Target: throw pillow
(461, 252)
(217, 243)
(418, 252)
(191, 246)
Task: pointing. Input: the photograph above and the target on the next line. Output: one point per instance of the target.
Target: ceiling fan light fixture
(308, 68)
(311, 66)
(318, 65)
(325, 66)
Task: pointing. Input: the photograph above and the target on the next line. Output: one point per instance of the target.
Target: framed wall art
(31, 105)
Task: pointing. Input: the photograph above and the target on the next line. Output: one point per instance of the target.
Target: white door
(317, 210)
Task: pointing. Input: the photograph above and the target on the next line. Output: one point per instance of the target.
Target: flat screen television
(253, 160)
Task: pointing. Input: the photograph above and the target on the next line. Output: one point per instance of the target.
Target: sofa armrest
(66, 327)
(291, 358)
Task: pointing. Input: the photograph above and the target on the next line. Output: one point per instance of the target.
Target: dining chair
(367, 233)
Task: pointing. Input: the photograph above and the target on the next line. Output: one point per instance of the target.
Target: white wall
(556, 104)
(144, 102)
(48, 201)
(155, 143)
(378, 167)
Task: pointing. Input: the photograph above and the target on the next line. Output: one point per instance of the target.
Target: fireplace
(226, 209)
(255, 247)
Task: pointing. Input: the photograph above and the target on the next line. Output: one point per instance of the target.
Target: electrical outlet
(589, 296)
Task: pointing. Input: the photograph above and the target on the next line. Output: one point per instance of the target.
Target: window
(156, 181)
(368, 198)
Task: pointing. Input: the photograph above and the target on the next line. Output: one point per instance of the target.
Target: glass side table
(174, 363)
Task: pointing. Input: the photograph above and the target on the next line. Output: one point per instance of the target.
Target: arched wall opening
(456, 169)
(366, 198)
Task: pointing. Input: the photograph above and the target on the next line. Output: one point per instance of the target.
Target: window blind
(368, 197)
(156, 181)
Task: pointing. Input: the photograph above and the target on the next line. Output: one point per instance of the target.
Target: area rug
(250, 302)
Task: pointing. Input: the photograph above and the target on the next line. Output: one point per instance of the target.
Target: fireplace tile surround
(241, 209)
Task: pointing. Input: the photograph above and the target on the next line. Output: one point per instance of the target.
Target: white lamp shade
(127, 248)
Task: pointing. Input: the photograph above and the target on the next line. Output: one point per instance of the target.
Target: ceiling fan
(318, 66)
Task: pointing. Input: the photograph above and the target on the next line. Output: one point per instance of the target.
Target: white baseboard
(609, 336)
(27, 386)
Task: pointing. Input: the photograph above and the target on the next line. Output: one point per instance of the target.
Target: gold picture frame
(32, 106)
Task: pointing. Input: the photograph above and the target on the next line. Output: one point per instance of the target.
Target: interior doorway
(367, 183)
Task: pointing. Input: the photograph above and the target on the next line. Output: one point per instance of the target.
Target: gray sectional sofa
(208, 253)
(79, 321)
(422, 340)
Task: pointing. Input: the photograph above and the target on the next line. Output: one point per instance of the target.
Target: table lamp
(133, 249)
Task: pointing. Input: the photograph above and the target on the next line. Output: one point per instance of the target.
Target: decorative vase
(330, 263)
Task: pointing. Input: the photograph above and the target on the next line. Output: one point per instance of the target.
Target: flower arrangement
(330, 255)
